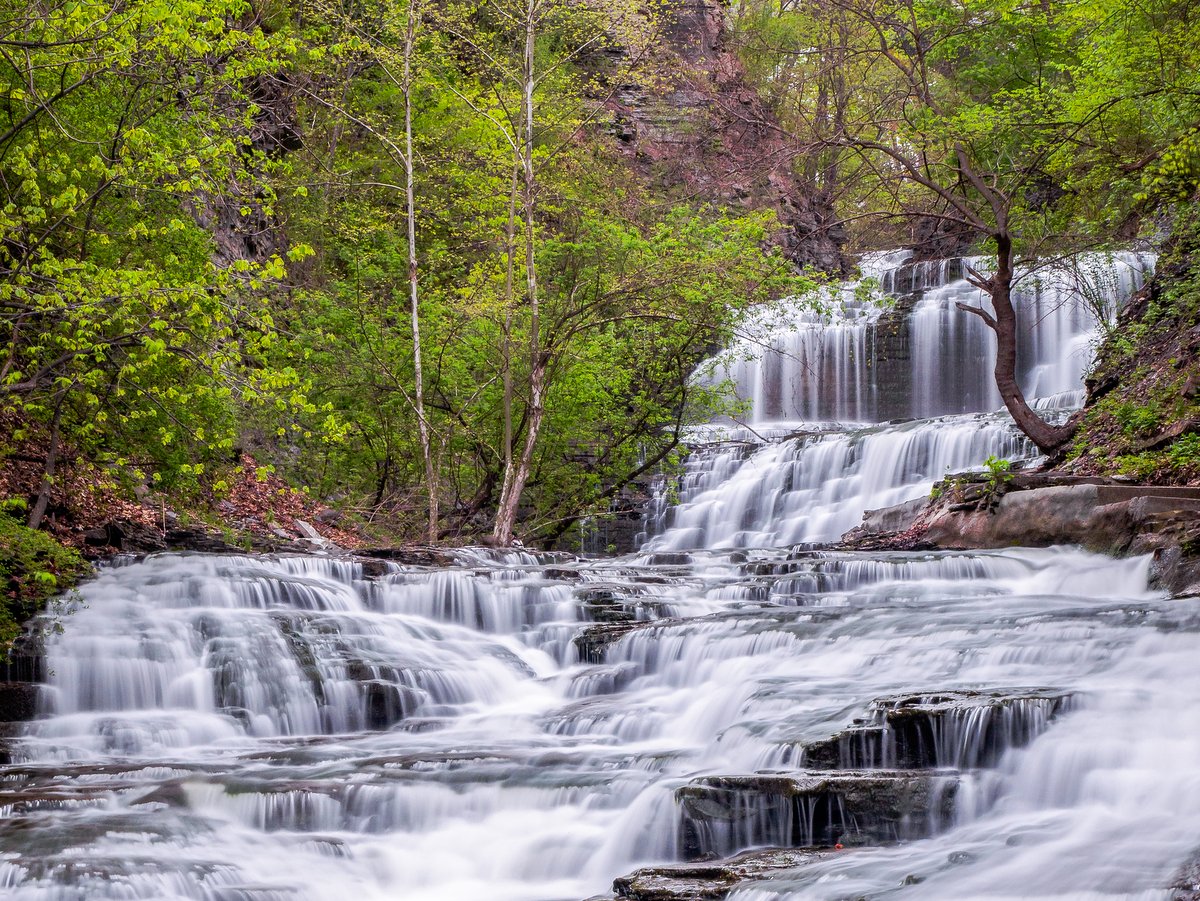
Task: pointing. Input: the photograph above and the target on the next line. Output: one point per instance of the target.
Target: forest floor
(90, 508)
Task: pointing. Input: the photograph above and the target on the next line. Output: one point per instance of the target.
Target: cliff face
(698, 130)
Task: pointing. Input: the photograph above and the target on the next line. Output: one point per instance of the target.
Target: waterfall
(821, 374)
(1013, 723)
(285, 728)
(897, 346)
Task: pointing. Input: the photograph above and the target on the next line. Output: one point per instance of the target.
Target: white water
(814, 489)
(205, 733)
(260, 729)
(856, 363)
(806, 373)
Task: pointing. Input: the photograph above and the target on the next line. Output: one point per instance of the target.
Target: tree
(388, 40)
(1024, 125)
(125, 331)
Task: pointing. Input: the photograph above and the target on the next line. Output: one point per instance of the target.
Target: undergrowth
(34, 568)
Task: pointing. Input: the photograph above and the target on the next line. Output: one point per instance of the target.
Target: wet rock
(961, 729)
(594, 641)
(18, 701)
(672, 558)
(8, 732)
(375, 568)
(170, 794)
(725, 814)
(198, 538)
(408, 556)
(891, 519)
(1047, 509)
(127, 537)
(25, 661)
(387, 703)
(1186, 884)
(610, 603)
(710, 880)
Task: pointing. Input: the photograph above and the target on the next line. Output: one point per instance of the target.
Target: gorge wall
(694, 126)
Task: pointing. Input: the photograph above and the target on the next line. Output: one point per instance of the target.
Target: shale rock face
(943, 729)
(705, 135)
(724, 814)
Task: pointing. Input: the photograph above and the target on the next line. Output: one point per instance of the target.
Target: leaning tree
(1035, 130)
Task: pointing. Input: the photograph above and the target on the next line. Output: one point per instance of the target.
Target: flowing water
(824, 391)
(528, 727)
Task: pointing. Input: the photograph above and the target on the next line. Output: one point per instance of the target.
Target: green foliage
(1136, 419)
(123, 142)
(1185, 452)
(33, 569)
(1151, 372)
(631, 296)
(1055, 123)
(999, 471)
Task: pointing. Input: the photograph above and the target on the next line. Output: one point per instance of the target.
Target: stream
(519, 726)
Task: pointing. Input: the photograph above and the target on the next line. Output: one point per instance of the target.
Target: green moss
(34, 567)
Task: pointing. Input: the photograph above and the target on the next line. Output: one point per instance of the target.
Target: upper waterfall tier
(895, 345)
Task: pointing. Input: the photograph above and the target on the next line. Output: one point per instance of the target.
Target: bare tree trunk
(423, 430)
(1047, 437)
(510, 496)
(510, 250)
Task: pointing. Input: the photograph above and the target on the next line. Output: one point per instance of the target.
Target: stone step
(711, 881)
(722, 815)
(958, 729)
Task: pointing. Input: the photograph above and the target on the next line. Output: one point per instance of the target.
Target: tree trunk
(1047, 437)
(423, 430)
(514, 486)
(43, 499)
(510, 251)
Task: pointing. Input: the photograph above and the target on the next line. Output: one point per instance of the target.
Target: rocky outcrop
(806, 816)
(690, 123)
(962, 729)
(720, 815)
(975, 512)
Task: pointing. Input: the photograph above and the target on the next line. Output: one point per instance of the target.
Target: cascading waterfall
(834, 376)
(815, 488)
(989, 725)
(258, 728)
(916, 355)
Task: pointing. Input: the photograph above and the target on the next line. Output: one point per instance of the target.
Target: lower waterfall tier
(529, 729)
